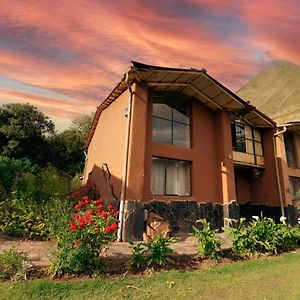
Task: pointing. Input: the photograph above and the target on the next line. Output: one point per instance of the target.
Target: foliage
(91, 228)
(67, 147)
(208, 244)
(22, 131)
(14, 265)
(11, 171)
(153, 253)
(36, 207)
(261, 236)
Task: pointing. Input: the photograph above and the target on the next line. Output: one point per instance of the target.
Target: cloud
(78, 50)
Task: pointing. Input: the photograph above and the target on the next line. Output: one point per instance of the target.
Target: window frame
(253, 139)
(188, 125)
(165, 176)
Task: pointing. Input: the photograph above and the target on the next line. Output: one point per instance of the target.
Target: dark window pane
(162, 131)
(181, 110)
(181, 135)
(290, 150)
(162, 110)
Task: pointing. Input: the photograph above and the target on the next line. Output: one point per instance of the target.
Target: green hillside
(276, 91)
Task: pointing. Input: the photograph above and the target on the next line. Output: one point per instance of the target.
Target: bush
(35, 203)
(207, 243)
(91, 229)
(261, 236)
(154, 253)
(14, 265)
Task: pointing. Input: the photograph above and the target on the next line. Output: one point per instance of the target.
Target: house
(288, 155)
(178, 143)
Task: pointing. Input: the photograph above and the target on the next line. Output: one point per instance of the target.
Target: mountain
(275, 91)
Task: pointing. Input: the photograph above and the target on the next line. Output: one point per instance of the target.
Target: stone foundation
(182, 215)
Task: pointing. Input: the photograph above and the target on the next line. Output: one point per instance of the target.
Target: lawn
(264, 278)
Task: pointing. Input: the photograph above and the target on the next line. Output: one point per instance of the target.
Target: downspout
(125, 164)
(277, 172)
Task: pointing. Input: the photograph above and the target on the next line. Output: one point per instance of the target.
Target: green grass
(265, 278)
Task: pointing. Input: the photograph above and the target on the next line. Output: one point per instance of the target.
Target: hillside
(276, 91)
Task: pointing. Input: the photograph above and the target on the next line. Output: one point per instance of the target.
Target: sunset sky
(65, 56)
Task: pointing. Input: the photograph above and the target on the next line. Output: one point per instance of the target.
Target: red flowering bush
(90, 229)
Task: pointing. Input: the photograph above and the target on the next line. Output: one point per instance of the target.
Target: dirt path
(39, 252)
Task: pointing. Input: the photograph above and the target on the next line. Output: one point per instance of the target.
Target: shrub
(91, 229)
(14, 265)
(153, 253)
(207, 243)
(261, 236)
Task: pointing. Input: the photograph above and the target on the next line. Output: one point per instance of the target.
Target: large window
(290, 150)
(170, 177)
(246, 139)
(171, 119)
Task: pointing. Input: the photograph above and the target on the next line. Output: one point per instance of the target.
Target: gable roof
(192, 82)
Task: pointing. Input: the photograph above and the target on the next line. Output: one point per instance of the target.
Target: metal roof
(192, 82)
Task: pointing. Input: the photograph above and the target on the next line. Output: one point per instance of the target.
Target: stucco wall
(108, 147)
(206, 167)
(264, 190)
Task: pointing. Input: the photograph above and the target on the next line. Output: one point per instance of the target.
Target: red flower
(77, 243)
(96, 230)
(77, 206)
(98, 201)
(85, 199)
(104, 215)
(81, 223)
(116, 213)
(91, 212)
(114, 226)
(108, 229)
(110, 207)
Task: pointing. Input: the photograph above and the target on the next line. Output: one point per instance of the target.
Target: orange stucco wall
(206, 153)
(108, 147)
(264, 190)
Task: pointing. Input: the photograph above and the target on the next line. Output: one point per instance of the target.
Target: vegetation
(262, 236)
(14, 265)
(265, 278)
(208, 244)
(90, 228)
(153, 253)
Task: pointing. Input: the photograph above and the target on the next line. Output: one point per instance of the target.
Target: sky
(64, 57)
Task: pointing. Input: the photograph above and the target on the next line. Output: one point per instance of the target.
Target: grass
(264, 278)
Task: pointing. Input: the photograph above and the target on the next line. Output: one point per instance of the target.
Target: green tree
(68, 146)
(22, 132)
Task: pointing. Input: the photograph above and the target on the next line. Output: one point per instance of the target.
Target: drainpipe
(277, 171)
(125, 164)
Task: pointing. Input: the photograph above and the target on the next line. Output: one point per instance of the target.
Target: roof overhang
(193, 83)
(292, 126)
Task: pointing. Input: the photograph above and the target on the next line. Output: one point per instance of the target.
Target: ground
(39, 252)
(263, 278)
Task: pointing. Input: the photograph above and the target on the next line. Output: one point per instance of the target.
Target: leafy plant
(153, 253)
(261, 236)
(14, 265)
(207, 243)
(91, 228)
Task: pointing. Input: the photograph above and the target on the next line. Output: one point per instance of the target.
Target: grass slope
(276, 91)
(266, 278)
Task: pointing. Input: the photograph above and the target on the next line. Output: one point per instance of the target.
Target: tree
(22, 132)
(68, 146)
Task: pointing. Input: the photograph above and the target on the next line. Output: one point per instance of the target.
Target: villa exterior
(288, 153)
(178, 143)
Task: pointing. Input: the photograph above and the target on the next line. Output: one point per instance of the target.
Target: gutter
(277, 172)
(125, 164)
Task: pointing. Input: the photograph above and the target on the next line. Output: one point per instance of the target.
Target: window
(246, 139)
(170, 177)
(294, 185)
(290, 150)
(171, 119)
